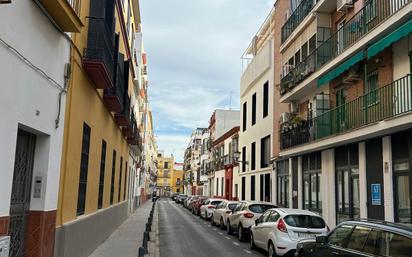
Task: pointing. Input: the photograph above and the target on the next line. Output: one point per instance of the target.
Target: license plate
(306, 235)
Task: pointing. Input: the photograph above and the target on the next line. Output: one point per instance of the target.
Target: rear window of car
(215, 202)
(232, 206)
(305, 221)
(260, 208)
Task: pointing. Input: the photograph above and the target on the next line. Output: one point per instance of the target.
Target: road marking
(209, 226)
(220, 233)
(235, 243)
(228, 238)
(247, 251)
(214, 229)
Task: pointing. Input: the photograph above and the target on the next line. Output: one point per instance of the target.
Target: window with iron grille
(244, 116)
(120, 179)
(243, 188)
(252, 187)
(254, 109)
(266, 99)
(244, 159)
(113, 177)
(84, 168)
(253, 156)
(102, 173)
(265, 152)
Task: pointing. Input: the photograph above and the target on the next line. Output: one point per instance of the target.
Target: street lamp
(236, 156)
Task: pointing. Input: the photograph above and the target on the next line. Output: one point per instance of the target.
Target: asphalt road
(182, 234)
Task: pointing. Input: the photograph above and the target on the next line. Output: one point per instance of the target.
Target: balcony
(133, 138)
(367, 19)
(296, 18)
(115, 97)
(99, 55)
(386, 102)
(123, 118)
(66, 13)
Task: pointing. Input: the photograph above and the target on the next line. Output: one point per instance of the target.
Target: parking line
(235, 243)
(247, 251)
(220, 233)
(214, 229)
(228, 238)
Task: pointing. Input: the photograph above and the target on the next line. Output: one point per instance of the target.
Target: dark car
(197, 204)
(361, 238)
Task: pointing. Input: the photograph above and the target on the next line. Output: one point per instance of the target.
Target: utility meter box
(4, 246)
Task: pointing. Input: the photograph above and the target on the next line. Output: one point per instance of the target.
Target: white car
(244, 216)
(279, 230)
(221, 213)
(206, 210)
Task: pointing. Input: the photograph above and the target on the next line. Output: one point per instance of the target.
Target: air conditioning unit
(344, 5)
(144, 69)
(5, 1)
(294, 107)
(353, 75)
(284, 117)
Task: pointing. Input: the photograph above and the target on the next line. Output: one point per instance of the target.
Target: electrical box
(4, 246)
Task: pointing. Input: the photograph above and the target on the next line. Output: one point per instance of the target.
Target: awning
(394, 36)
(341, 68)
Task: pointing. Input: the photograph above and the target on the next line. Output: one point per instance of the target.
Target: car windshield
(305, 221)
(215, 203)
(232, 206)
(260, 208)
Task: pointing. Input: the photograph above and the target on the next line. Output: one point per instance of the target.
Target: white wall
(225, 121)
(28, 100)
(221, 176)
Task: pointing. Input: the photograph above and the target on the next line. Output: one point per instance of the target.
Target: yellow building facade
(165, 165)
(177, 178)
(100, 126)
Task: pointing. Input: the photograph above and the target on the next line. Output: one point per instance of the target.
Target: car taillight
(282, 226)
(248, 215)
(228, 211)
(211, 207)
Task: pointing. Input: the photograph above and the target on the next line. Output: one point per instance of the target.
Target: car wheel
(241, 233)
(205, 215)
(212, 220)
(222, 225)
(228, 228)
(252, 242)
(271, 250)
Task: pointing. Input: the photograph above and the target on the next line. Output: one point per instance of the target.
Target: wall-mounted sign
(376, 194)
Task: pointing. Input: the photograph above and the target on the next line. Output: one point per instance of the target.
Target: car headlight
(299, 246)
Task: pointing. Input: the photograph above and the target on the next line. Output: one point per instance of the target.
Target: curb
(150, 245)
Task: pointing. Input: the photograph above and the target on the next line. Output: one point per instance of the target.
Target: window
(243, 188)
(253, 157)
(244, 118)
(311, 167)
(297, 57)
(254, 109)
(265, 216)
(267, 188)
(236, 191)
(221, 186)
(274, 216)
(166, 165)
(312, 44)
(244, 158)
(84, 168)
(370, 11)
(394, 245)
(305, 51)
(102, 173)
(120, 179)
(371, 242)
(283, 183)
(265, 152)
(372, 85)
(266, 99)
(358, 238)
(261, 181)
(217, 186)
(252, 187)
(113, 177)
(305, 221)
(125, 182)
(340, 236)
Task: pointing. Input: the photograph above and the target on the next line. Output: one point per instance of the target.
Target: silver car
(244, 216)
(222, 212)
(206, 210)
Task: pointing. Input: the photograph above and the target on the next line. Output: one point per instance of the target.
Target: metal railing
(385, 102)
(100, 44)
(75, 4)
(368, 18)
(119, 89)
(296, 18)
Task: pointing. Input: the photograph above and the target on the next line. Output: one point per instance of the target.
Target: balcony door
(341, 109)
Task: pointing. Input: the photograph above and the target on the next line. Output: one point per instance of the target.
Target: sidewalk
(126, 240)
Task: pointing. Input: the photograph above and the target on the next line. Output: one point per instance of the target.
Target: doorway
(21, 192)
(374, 179)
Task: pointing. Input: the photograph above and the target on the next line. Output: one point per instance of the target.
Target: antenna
(230, 101)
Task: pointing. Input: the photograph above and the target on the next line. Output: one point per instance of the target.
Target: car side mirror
(321, 239)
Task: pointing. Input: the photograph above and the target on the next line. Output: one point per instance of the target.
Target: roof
(296, 211)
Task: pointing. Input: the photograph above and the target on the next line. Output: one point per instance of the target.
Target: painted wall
(28, 100)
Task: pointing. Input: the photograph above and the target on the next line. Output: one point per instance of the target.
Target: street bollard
(142, 251)
(148, 227)
(146, 235)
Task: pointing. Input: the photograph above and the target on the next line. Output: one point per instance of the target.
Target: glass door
(348, 204)
(402, 192)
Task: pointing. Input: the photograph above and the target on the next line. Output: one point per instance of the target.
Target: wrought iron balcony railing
(368, 18)
(296, 18)
(385, 102)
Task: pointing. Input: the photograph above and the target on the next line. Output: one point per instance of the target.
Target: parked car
(244, 216)
(173, 196)
(361, 238)
(181, 198)
(198, 203)
(192, 200)
(185, 202)
(279, 230)
(206, 210)
(221, 213)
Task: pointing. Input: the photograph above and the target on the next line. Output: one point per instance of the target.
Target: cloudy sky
(194, 49)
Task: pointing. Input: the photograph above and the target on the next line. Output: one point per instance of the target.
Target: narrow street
(183, 234)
